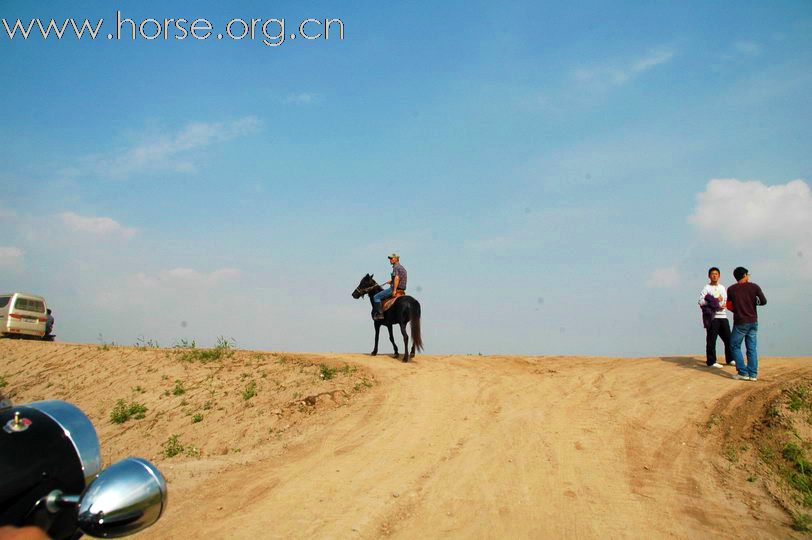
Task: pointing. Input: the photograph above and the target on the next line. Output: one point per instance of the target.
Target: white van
(22, 314)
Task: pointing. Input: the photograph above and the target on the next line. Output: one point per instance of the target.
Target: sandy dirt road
(494, 447)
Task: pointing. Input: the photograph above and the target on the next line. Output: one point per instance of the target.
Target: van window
(4, 301)
(26, 304)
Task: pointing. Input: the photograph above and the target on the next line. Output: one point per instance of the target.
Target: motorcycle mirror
(79, 430)
(125, 498)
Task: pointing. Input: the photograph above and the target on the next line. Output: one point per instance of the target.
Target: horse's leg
(405, 342)
(377, 332)
(392, 339)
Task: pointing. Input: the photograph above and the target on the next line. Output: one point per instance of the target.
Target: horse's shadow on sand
(698, 364)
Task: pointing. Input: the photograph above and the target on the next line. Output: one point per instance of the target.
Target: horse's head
(366, 285)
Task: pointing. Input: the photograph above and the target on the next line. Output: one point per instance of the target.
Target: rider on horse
(398, 286)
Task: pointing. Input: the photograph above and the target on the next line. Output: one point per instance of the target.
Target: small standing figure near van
(49, 326)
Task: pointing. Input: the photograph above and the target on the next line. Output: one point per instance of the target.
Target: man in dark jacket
(742, 299)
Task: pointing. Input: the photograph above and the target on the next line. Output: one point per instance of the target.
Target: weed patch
(103, 345)
(363, 384)
(3, 381)
(123, 412)
(249, 391)
(731, 453)
(179, 389)
(143, 344)
(327, 373)
(799, 472)
(347, 369)
(172, 447)
(799, 398)
(222, 350)
(766, 454)
(801, 522)
(783, 450)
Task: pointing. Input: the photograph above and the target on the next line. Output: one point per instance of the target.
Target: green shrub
(801, 522)
(327, 373)
(795, 455)
(122, 412)
(799, 398)
(179, 389)
(142, 343)
(347, 369)
(731, 453)
(249, 391)
(222, 350)
(172, 447)
(799, 475)
(766, 453)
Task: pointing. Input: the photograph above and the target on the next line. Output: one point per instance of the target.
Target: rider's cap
(394, 256)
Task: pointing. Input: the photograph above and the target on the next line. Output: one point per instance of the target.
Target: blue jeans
(381, 296)
(746, 332)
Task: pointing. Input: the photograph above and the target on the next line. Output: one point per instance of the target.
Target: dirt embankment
(272, 445)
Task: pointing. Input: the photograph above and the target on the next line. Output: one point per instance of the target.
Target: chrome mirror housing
(125, 498)
(79, 430)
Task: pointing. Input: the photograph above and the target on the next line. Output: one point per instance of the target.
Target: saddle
(389, 302)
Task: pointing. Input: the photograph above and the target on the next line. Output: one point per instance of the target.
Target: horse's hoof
(405, 359)
(374, 353)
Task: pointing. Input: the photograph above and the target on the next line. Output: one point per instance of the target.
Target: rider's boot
(377, 313)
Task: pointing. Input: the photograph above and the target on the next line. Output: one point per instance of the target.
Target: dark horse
(405, 309)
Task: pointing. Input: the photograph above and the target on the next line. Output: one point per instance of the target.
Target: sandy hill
(278, 445)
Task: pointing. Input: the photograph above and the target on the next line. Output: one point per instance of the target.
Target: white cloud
(740, 50)
(619, 73)
(192, 276)
(771, 223)
(304, 98)
(169, 151)
(179, 288)
(102, 226)
(654, 58)
(10, 256)
(749, 48)
(6, 214)
(750, 212)
(664, 278)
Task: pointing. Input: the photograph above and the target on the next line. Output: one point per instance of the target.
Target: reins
(364, 291)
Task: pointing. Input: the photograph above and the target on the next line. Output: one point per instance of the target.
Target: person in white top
(717, 325)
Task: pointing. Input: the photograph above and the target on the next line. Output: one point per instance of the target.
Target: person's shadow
(698, 364)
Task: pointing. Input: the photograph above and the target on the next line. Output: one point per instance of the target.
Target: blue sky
(557, 178)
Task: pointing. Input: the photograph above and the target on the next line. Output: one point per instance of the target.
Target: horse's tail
(415, 320)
